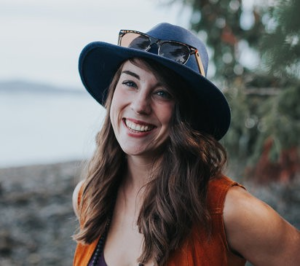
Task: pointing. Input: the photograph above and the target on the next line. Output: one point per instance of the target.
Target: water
(47, 127)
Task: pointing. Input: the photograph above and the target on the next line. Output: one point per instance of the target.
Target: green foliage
(280, 121)
(264, 101)
(239, 137)
(224, 24)
(281, 46)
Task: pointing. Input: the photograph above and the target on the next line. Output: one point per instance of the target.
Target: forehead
(147, 69)
(137, 64)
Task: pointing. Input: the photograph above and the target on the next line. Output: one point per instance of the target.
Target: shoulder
(218, 188)
(75, 197)
(257, 232)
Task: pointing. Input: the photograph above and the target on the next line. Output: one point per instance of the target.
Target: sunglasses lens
(136, 41)
(175, 51)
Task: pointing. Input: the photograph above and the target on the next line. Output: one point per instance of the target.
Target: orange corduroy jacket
(198, 250)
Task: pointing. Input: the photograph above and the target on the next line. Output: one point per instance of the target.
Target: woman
(154, 193)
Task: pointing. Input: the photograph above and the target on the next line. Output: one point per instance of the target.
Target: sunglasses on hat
(176, 51)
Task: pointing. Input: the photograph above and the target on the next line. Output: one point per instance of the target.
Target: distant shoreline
(44, 164)
(24, 86)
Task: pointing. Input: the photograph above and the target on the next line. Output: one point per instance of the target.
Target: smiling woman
(154, 193)
(141, 110)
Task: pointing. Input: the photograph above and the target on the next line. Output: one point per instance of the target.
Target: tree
(281, 45)
(265, 129)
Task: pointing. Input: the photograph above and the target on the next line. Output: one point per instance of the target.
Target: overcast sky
(41, 39)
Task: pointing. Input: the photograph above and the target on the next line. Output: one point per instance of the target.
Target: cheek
(118, 99)
(117, 105)
(111, 116)
(113, 112)
(166, 114)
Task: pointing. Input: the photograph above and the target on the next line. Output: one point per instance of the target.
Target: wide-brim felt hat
(99, 62)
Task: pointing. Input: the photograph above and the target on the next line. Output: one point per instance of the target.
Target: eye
(164, 94)
(129, 83)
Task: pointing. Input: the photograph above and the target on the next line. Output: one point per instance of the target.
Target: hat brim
(99, 61)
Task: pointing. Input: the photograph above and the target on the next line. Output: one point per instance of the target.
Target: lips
(138, 126)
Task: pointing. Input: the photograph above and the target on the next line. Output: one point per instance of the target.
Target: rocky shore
(36, 215)
(37, 219)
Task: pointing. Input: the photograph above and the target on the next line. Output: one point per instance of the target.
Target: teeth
(136, 127)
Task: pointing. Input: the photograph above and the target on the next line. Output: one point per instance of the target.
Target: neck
(131, 191)
(139, 171)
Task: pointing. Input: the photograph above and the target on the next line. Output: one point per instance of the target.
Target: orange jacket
(197, 250)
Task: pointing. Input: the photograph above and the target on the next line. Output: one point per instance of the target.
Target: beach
(37, 219)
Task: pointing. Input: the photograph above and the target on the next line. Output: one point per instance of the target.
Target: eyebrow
(128, 72)
(131, 73)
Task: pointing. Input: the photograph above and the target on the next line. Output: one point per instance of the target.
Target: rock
(36, 214)
(6, 244)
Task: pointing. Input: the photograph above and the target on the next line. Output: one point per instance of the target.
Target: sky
(41, 39)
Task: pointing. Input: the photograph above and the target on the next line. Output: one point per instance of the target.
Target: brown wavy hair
(175, 196)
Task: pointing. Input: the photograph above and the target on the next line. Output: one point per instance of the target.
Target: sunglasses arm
(200, 65)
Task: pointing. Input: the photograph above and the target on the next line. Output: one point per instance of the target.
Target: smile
(138, 127)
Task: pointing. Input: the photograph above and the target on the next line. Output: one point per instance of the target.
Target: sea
(41, 125)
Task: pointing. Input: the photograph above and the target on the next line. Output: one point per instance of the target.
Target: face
(141, 111)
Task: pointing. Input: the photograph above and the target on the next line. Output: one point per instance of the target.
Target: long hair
(175, 196)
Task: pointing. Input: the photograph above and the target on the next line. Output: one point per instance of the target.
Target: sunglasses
(176, 51)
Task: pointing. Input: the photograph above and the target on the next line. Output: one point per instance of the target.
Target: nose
(141, 103)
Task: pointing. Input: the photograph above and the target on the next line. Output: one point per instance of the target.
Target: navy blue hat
(99, 62)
